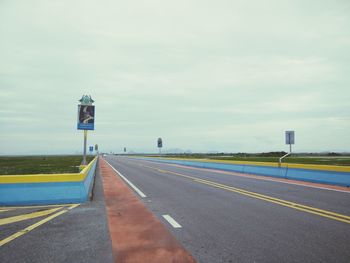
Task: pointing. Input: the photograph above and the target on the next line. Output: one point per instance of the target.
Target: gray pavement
(79, 235)
(223, 226)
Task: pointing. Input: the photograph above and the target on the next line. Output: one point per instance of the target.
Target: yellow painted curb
(334, 168)
(47, 178)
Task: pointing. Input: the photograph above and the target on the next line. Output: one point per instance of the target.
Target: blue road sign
(290, 137)
(91, 148)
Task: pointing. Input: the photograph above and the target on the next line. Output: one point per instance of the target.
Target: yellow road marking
(316, 211)
(23, 217)
(30, 228)
(32, 206)
(300, 207)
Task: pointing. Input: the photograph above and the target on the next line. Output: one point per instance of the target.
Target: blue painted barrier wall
(309, 175)
(39, 193)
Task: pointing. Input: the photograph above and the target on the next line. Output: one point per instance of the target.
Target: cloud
(223, 75)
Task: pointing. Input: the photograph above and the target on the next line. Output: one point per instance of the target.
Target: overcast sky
(221, 75)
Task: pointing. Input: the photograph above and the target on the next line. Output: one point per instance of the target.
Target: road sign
(290, 138)
(160, 143)
(86, 117)
(91, 148)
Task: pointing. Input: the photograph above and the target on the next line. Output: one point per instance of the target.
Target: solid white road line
(140, 193)
(171, 221)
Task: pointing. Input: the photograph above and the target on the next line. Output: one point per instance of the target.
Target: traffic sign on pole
(160, 145)
(290, 139)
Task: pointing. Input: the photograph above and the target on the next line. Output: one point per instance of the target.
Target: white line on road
(128, 182)
(171, 221)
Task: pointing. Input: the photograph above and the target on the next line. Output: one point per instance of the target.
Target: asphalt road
(229, 218)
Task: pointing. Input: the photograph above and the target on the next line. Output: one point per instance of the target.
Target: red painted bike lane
(136, 234)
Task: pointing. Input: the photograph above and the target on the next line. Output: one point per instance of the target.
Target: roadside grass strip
(47, 189)
(60, 210)
(296, 206)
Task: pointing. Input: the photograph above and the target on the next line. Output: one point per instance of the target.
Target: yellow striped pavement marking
(296, 206)
(14, 219)
(32, 206)
(31, 227)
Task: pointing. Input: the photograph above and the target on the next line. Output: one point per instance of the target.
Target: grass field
(40, 164)
(325, 160)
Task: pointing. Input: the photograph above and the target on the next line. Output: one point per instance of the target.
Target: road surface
(226, 217)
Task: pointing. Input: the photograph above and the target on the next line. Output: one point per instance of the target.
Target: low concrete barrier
(40, 189)
(326, 174)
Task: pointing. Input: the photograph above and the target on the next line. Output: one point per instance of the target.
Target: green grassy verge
(40, 164)
(325, 160)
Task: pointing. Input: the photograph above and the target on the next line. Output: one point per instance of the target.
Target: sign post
(96, 149)
(86, 119)
(160, 145)
(290, 139)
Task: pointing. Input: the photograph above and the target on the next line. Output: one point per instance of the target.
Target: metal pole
(85, 139)
(290, 143)
(280, 159)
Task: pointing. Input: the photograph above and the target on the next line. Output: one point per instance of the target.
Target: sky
(223, 75)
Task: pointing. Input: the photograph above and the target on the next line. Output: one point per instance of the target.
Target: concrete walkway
(79, 234)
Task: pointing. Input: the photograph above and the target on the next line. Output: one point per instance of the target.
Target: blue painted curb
(47, 193)
(308, 175)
